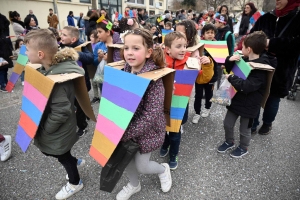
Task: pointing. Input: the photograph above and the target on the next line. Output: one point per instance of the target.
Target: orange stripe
(28, 125)
(98, 156)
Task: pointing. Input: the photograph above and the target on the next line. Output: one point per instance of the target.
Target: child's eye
(136, 48)
(126, 48)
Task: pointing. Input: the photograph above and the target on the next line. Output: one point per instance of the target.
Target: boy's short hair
(257, 41)
(222, 19)
(169, 24)
(169, 38)
(208, 27)
(43, 40)
(73, 31)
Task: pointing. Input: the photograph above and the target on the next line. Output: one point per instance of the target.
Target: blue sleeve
(69, 21)
(96, 62)
(85, 56)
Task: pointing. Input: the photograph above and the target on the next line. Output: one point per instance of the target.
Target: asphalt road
(269, 171)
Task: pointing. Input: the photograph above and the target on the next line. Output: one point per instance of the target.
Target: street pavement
(271, 170)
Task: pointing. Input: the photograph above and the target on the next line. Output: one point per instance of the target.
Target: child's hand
(227, 75)
(222, 67)
(204, 60)
(235, 58)
(159, 35)
(105, 57)
(100, 54)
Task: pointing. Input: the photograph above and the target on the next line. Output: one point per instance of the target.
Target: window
(151, 2)
(136, 1)
(64, 0)
(85, 1)
(160, 3)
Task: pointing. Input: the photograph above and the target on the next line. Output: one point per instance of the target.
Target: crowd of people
(273, 39)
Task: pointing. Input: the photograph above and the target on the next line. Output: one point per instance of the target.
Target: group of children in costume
(56, 134)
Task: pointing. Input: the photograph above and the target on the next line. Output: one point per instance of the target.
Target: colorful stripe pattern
(164, 32)
(18, 69)
(255, 17)
(217, 49)
(34, 101)
(122, 93)
(184, 82)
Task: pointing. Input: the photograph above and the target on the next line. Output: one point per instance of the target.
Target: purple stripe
(238, 72)
(14, 77)
(22, 138)
(120, 97)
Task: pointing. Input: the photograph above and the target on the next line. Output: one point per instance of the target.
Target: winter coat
(250, 92)
(5, 43)
(243, 25)
(19, 30)
(86, 25)
(91, 26)
(221, 36)
(85, 57)
(52, 21)
(148, 125)
(57, 130)
(80, 22)
(210, 71)
(286, 48)
(34, 17)
(70, 20)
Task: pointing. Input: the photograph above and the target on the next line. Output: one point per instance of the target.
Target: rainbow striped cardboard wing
(164, 32)
(121, 95)
(217, 49)
(184, 82)
(18, 69)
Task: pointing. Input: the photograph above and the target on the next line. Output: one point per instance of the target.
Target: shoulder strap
(233, 40)
(288, 24)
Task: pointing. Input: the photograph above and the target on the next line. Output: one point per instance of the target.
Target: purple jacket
(148, 125)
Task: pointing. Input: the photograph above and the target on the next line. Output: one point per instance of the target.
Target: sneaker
(163, 152)
(128, 191)
(196, 119)
(5, 148)
(238, 152)
(181, 129)
(69, 190)
(23, 83)
(95, 100)
(225, 146)
(205, 112)
(173, 163)
(2, 89)
(265, 129)
(165, 178)
(80, 164)
(82, 132)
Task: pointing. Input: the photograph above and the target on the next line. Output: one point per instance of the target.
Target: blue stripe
(126, 81)
(31, 110)
(177, 113)
(186, 76)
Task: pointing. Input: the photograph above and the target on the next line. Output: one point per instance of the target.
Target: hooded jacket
(285, 48)
(250, 92)
(147, 127)
(57, 130)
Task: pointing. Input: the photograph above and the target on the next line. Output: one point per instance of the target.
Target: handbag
(116, 164)
(99, 75)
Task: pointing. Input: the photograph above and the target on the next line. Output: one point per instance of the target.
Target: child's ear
(73, 39)
(167, 49)
(41, 55)
(149, 52)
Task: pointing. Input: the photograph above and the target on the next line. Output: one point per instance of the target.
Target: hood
(177, 64)
(149, 66)
(64, 61)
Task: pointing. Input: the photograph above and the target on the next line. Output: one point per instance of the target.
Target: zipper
(276, 27)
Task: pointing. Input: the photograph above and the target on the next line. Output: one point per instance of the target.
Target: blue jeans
(270, 112)
(3, 77)
(82, 35)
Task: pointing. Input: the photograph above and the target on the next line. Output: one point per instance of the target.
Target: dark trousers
(3, 77)
(208, 87)
(70, 164)
(80, 116)
(220, 73)
(270, 112)
(100, 87)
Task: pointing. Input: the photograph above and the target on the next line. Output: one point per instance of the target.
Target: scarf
(291, 5)
(19, 22)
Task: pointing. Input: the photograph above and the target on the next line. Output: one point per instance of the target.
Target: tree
(241, 3)
(189, 3)
(213, 3)
(268, 5)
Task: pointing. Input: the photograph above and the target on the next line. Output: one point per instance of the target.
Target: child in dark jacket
(247, 101)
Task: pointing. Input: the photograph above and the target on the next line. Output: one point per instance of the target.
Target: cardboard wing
(122, 93)
(35, 98)
(217, 49)
(110, 51)
(18, 69)
(199, 47)
(117, 65)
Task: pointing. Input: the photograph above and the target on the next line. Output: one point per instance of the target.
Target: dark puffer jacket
(286, 48)
(250, 92)
(5, 43)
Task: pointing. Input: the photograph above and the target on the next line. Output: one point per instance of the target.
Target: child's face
(177, 49)
(218, 24)
(103, 35)
(21, 43)
(32, 53)
(93, 41)
(245, 51)
(209, 35)
(181, 29)
(168, 27)
(153, 30)
(66, 37)
(135, 53)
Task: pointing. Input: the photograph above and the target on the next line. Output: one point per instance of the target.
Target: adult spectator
(103, 11)
(30, 24)
(282, 26)
(141, 13)
(17, 24)
(87, 23)
(33, 16)
(145, 17)
(92, 24)
(223, 10)
(182, 15)
(81, 26)
(52, 19)
(244, 26)
(211, 14)
(70, 19)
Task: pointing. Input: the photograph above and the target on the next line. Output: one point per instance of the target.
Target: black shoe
(95, 100)
(3, 89)
(239, 152)
(82, 132)
(265, 129)
(253, 130)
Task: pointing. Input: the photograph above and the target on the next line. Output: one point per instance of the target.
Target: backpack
(233, 40)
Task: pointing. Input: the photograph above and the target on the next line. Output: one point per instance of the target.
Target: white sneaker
(165, 178)
(80, 164)
(68, 190)
(181, 129)
(196, 119)
(5, 148)
(128, 191)
(205, 112)
(23, 83)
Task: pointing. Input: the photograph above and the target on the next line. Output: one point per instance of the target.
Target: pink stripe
(219, 60)
(109, 129)
(35, 96)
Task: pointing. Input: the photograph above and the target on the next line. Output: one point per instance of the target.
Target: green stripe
(179, 101)
(245, 68)
(120, 116)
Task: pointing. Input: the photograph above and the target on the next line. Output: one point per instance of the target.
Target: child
(94, 40)
(19, 42)
(56, 132)
(246, 102)
(148, 124)
(208, 33)
(5, 147)
(168, 26)
(70, 38)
